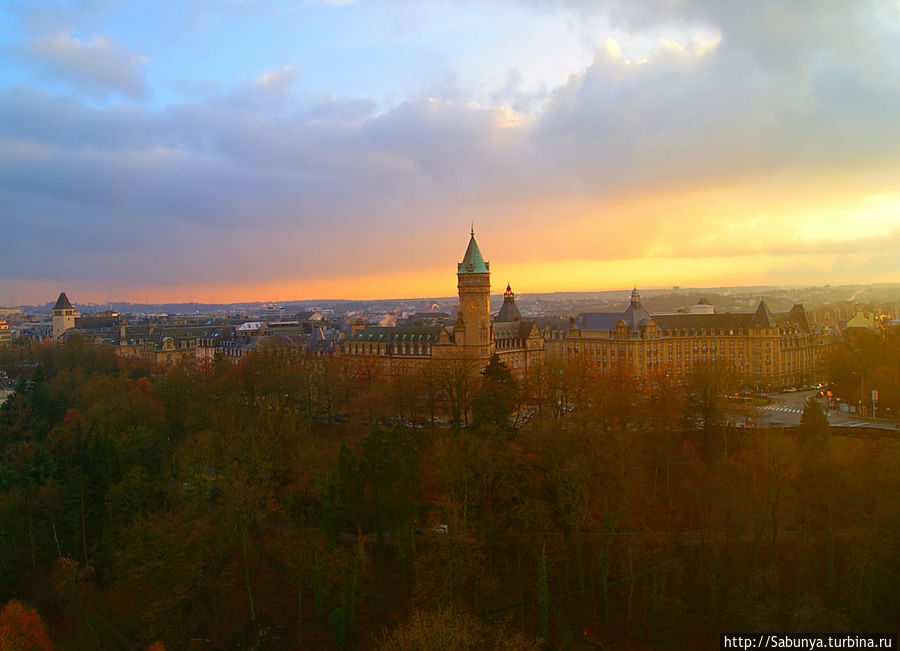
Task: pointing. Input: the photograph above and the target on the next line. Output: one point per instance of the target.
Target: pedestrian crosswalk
(785, 410)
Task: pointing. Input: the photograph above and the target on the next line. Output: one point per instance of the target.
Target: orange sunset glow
(693, 145)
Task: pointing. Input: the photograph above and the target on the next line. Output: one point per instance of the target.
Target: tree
(495, 399)
(449, 628)
(707, 405)
(455, 378)
(814, 427)
(377, 490)
(21, 629)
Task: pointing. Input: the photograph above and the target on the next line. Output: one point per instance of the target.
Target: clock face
(471, 307)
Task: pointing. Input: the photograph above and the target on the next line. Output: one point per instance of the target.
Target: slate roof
(597, 320)
(685, 321)
(396, 334)
(763, 318)
(510, 311)
(62, 303)
(143, 334)
(512, 329)
(795, 320)
(96, 322)
(321, 341)
(635, 315)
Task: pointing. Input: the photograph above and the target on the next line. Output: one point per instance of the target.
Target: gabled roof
(798, 315)
(62, 303)
(473, 262)
(762, 318)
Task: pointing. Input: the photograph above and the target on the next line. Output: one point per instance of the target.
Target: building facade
(765, 350)
(390, 351)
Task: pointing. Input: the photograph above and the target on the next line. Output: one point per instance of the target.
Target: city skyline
(227, 152)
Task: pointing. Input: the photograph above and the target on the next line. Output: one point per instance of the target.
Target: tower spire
(472, 231)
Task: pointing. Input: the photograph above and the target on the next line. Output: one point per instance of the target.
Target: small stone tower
(473, 327)
(510, 311)
(63, 315)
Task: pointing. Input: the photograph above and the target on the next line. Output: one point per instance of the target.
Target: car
(441, 529)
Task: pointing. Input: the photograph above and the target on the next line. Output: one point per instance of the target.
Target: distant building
(64, 315)
(5, 334)
(864, 320)
(703, 306)
(765, 350)
(392, 350)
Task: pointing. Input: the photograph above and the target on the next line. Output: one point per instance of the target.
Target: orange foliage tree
(21, 628)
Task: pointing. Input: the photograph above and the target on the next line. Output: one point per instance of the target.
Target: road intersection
(786, 409)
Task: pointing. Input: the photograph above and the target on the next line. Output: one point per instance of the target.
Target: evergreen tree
(496, 398)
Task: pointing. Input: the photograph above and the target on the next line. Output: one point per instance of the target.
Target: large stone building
(766, 350)
(472, 339)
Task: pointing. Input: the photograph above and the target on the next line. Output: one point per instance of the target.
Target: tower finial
(472, 232)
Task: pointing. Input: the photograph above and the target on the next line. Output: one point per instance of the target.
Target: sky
(238, 150)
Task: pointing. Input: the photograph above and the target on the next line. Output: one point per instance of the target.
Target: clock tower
(473, 326)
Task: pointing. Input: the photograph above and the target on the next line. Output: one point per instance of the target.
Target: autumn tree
(454, 630)
(21, 629)
(455, 377)
(707, 406)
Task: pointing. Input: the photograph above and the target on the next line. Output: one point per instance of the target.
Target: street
(787, 408)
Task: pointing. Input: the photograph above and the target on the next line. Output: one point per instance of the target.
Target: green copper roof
(473, 262)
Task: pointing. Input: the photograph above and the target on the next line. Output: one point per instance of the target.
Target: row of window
(660, 347)
(395, 349)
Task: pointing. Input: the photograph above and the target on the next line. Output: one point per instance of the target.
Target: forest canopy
(294, 500)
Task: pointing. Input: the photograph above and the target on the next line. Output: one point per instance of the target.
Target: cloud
(278, 81)
(43, 16)
(702, 148)
(718, 112)
(98, 67)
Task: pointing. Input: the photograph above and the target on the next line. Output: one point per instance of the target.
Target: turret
(64, 315)
(510, 311)
(474, 284)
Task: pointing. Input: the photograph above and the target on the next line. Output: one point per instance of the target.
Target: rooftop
(473, 262)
